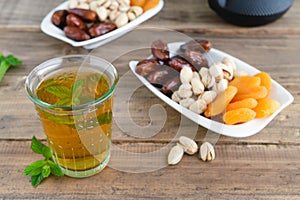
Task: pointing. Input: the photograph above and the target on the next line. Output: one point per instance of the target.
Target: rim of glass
(43, 65)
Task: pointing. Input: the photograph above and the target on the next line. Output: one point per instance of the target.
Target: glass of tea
(73, 96)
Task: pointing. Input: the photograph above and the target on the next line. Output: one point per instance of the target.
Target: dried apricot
(266, 107)
(265, 79)
(245, 103)
(257, 92)
(221, 102)
(238, 116)
(140, 3)
(150, 4)
(242, 82)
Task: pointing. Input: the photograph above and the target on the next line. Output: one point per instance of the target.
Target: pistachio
(94, 5)
(208, 96)
(222, 85)
(186, 74)
(207, 79)
(102, 13)
(175, 155)
(124, 7)
(186, 102)
(83, 6)
(121, 20)
(198, 106)
(207, 152)
(137, 10)
(189, 146)
(106, 4)
(175, 97)
(216, 70)
(227, 72)
(113, 15)
(185, 90)
(229, 62)
(114, 5)
(197, 86)
(196, 75)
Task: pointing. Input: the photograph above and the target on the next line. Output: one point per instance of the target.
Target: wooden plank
(190, 16)
(246, 171)
(271, 54)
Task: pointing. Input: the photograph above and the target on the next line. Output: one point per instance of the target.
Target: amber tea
(78, 118)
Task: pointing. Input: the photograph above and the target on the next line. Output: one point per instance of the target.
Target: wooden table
(263, 166)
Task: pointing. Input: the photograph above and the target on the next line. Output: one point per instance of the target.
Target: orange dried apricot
(150, 4)
(245, 103)
(140, 3)
(265, 79)
(257, 92)
(238, 116)
(242, 82)
(221, 102)
(266, 107)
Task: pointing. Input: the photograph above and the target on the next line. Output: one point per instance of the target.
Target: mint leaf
(36, 180)
(46, 170)
(76, 88)
(13, 61)
(64, 102)
(105, 118)
(59, 91)
(55, 169)
(40, 148)
(34, 168)
(41, 169)
(6, 63)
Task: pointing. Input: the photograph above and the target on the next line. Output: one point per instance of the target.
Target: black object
(250, 12)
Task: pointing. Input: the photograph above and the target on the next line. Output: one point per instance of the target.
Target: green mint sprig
(68, 96)
(41, 169)
(6, 63)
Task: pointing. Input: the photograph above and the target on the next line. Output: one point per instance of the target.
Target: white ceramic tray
(241, 130)
(50, 29)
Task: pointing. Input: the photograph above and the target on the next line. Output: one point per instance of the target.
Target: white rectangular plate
(241, 130)
(50, 29)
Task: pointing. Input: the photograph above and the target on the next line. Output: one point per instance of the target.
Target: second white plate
(241, 130)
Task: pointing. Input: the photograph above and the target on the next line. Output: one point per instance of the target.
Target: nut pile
(219, 89)
(198, 89)
(117, 11)
(189, 146)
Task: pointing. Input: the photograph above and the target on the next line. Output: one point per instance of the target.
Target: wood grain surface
(263, 166)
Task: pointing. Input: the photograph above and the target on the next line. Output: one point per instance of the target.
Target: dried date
(147, 66)
(76, 33)
(160, 50)
(59, 18)
(85, 15)
(73, 20)
(170, 86)
(159, 77)
(197, 45)
(98, 29)
(178, 63)
(196, 58)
